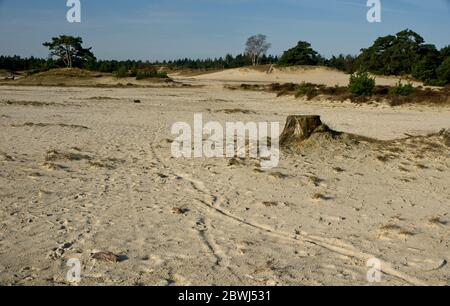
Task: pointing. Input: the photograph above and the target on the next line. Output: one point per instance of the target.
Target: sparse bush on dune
(402, 89)
(361, 84)
(150, 73)
(122, 72)
(362, 89)
(140, 74)
(306, 89)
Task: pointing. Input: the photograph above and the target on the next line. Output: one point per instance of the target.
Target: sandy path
(207, 221)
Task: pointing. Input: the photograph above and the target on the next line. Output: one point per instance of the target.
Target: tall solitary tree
(70, 51)
(256, 47)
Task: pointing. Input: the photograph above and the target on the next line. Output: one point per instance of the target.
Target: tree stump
(446, 135)
(300, 128)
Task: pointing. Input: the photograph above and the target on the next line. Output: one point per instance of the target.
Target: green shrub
(402, 89)
(122, 72)
(305, 89)
(163, 75)
(150, 73)
(435, 82)
(443, 72)
(361, 84)
(133, 72)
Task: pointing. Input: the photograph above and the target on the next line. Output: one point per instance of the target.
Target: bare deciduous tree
(256, 46)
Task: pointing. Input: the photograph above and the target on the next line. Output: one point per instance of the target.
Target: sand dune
(316, 75)
(87, 173)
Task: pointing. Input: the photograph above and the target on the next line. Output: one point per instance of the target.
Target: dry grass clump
(101, 98)
(29, 103)
(63, 125)
(6, 157)
(180, 210)
(106, 257)
(52, 166)
(109, 163)
(235, 111)
(437, 220)
(320, 197)
(396, 228)
(54, 155)
(338, 169)
(314, 180)
(270, 203)
(278, 175)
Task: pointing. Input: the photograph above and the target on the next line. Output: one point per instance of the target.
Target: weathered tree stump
(300, 128)
(446, 135)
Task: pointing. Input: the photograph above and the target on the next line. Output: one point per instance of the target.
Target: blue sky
(169, 29)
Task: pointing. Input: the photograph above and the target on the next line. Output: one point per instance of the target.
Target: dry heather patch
(420, 95)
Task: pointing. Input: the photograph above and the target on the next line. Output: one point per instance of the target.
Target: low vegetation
(148, 72)
(361, 89)
(402, 89)
(361, 84)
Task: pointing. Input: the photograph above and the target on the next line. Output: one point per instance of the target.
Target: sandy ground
(85, 170)
(315, 75)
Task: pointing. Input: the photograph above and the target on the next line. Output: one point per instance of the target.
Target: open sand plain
(84, 170)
